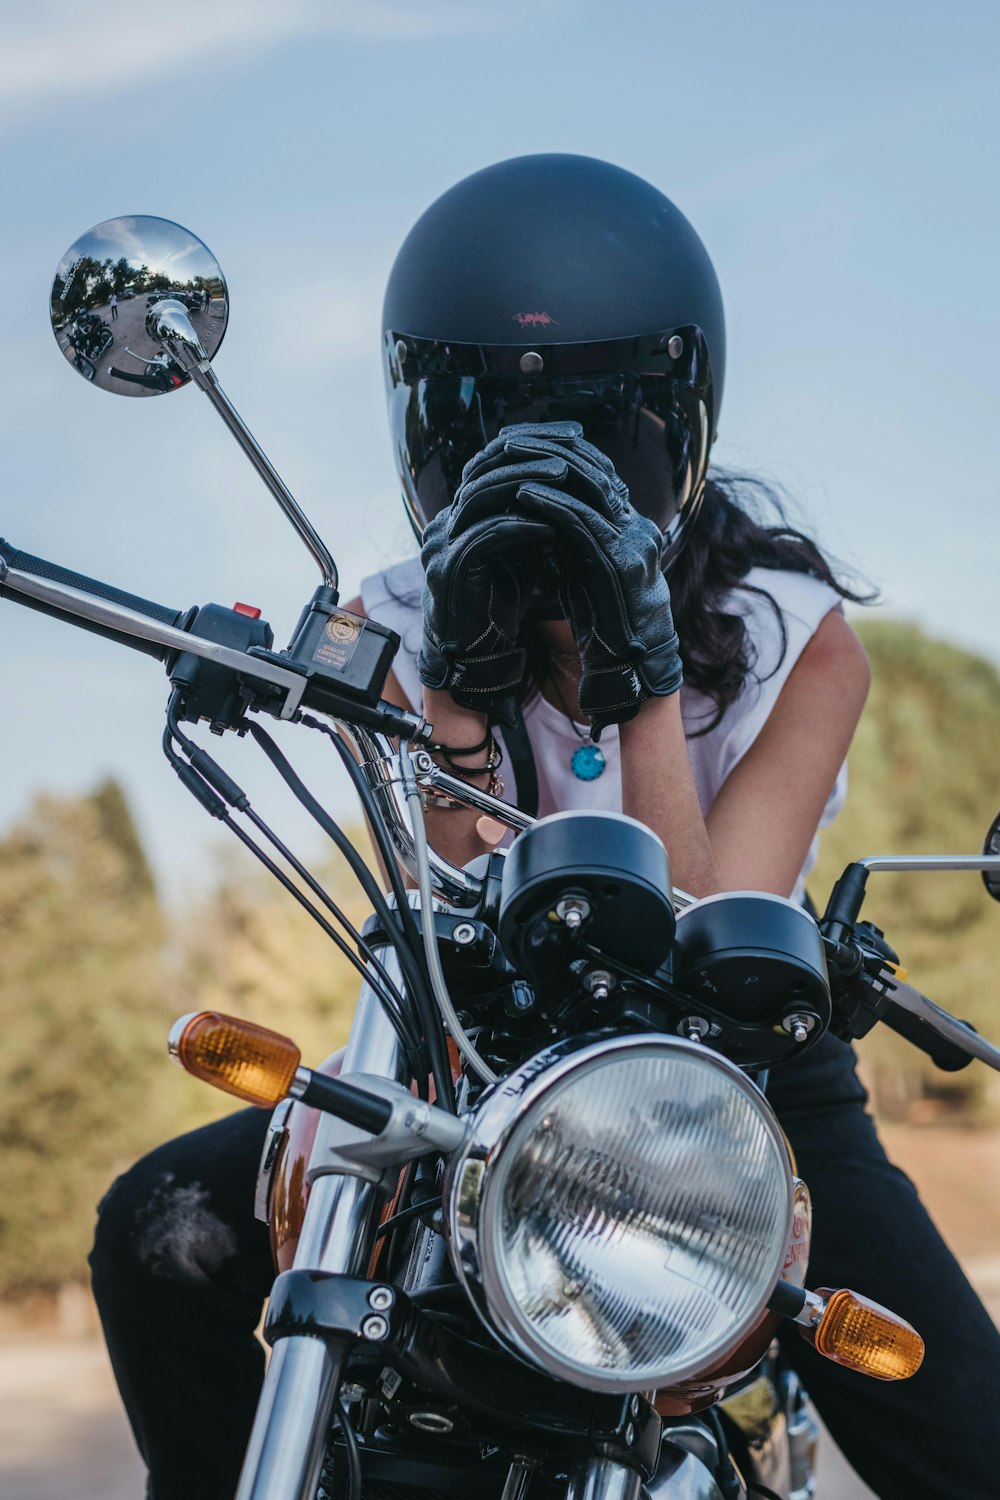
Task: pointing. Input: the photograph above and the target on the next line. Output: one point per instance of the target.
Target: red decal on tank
(534, 320)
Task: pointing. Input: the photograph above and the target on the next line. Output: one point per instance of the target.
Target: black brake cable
(408, 957)
(353, 1452)
(427, 1008)
(367, 953)
(214, 804)
(375, 822)
(223, 784)
(205, 796)
(413, 1212)
(726, 1476)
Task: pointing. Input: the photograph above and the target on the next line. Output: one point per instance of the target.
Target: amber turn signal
(860, 1334)
(243, 1059)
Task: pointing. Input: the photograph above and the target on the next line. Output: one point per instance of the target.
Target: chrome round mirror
(991, 879)
(104, 294)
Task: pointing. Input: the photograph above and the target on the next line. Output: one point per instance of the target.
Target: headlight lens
(621, 1210)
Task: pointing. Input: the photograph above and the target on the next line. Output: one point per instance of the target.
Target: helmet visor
(654, 424)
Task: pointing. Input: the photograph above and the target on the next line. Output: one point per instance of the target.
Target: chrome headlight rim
(470, 1185)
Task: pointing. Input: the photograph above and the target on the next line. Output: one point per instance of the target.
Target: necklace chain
(588, 760)
(569, 717)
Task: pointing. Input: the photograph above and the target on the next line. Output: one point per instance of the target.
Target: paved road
(132, 345)
(63, 1435)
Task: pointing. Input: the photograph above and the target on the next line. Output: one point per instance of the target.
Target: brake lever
(958, 1033)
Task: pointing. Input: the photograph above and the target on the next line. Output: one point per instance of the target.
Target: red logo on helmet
(534, 320)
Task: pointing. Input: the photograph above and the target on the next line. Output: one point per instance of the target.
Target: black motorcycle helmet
(552, 288)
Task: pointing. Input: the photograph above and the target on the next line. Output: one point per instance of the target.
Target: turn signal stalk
(852, 1330)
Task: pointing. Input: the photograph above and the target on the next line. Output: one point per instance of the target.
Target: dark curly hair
(742, 524)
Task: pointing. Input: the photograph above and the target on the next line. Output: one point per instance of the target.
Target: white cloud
(56, 49)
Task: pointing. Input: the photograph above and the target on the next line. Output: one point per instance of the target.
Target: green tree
(924, 779)
(84, 1013)
(120, 275)
(249, 950)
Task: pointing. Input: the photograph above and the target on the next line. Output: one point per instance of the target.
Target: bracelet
(493, 760)
(449, 750)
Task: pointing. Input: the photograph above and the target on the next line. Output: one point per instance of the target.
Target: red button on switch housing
(247, 609)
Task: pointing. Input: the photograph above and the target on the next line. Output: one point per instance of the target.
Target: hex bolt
(375, 1328)
(675, 346)
(573, 911)
(798, 1026)
(422, 762)
(401, 351)
(635, 1406)
(381, 1297)
(464, 934)
(600, 983)
(695, 1028)
(630, 1435)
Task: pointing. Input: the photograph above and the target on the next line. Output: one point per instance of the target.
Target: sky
(839, 162)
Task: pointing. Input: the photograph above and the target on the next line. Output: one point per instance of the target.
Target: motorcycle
(90, 338)
(536, 1225)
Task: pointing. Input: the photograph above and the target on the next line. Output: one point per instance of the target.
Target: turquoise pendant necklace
(588, 760)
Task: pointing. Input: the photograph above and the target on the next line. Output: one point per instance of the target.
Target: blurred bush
(250, 950)
(83, 1011)
(925, 779)
(93, 974)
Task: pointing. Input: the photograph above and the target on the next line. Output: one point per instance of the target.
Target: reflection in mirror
(111, 279)
(991, 878)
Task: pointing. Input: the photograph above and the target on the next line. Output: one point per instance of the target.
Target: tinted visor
(647, 409)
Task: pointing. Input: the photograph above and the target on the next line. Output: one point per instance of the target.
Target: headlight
(621, 1209)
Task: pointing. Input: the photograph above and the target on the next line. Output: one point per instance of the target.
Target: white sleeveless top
(393, 598)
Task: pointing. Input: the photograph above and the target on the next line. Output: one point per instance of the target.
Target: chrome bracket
(415, 1128)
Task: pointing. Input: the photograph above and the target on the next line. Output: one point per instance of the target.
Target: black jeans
(181, 1269)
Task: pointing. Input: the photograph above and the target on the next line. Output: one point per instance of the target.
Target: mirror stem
(205, 378)
(173, 328)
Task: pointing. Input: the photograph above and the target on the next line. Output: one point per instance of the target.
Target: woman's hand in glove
(481, 560)
(610, 580)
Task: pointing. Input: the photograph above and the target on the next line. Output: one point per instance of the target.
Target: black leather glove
(481, 559)
(610, 579)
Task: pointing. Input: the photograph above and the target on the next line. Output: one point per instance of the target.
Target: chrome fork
(603, 1479)
(285, 1454)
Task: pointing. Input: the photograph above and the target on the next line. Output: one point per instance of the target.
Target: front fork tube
(285, 1453)
(603, 1479)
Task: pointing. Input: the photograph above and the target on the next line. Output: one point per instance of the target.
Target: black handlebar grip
(147, 380)
(55, 574)
(945, 1055)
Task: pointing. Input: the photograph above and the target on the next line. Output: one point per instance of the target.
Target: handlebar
(161, 382)
(39, 567)
(163, 632)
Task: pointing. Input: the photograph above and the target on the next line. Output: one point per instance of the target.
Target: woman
(569, 301)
